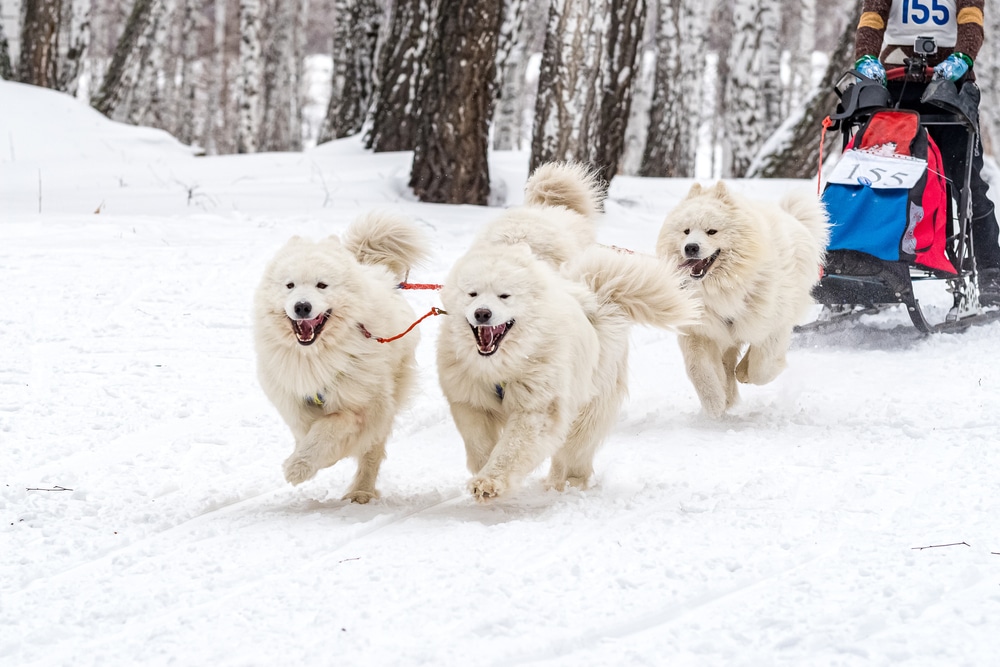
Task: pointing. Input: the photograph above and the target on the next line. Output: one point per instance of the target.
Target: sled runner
(894, 220)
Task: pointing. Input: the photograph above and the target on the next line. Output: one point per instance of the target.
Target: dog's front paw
(361, 496)
(484, 488)
(298, 470)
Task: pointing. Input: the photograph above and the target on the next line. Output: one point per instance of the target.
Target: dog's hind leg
(703, 362)
(573, 464)
(763, 362)
(729, 359)
(363, 486)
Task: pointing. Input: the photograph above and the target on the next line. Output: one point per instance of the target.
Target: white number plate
(878, 171)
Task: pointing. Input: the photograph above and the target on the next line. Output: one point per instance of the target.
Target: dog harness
(498, 388)
(316, 399)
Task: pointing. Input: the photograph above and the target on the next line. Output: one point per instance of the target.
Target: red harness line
(827, 124)
(433, 311)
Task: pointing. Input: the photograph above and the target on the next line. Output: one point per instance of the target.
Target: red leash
(433, 311)
(827, 124)
(418, 286)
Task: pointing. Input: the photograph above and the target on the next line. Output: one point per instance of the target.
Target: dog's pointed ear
(695, 190)
(720, 192)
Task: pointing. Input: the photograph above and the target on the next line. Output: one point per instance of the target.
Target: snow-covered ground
(144, 518)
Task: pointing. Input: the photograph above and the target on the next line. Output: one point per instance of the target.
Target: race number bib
(878, 171)
(909, 19)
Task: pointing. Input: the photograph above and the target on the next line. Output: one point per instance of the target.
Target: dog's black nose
(483, 315)
(303, 309)
(692, 250)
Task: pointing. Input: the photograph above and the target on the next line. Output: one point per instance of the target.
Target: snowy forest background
(631, 86)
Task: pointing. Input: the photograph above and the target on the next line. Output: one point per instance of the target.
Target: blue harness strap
(498, 388)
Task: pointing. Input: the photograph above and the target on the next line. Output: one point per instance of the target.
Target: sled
(895, 219)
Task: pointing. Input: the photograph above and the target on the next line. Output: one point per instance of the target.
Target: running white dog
(534, 361)
(754, 264)
(315, 311)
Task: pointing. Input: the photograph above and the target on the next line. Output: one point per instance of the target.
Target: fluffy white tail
(388, 240)
(806, 207)
(648, 289)
(568, 184)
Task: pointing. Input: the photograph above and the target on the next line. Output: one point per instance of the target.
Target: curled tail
(647, 289)
(568, 184)
(386, 239)
(806, 207)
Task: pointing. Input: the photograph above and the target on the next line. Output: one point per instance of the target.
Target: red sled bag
(895, 224)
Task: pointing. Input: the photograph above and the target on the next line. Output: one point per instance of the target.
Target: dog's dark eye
(686, 232)
(320, 285)
(290, 285)
(712, 232)
(504, 296)
(473, 294)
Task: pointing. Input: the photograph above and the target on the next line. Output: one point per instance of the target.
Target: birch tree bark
(401, 70)
(450, 155)
(123, 70)
(248, 88)
(76, 31)
(793, 149)
(676, 109)
(6, 71)
(38, 63)
(355, 37)
(281, 114)
(511, 68)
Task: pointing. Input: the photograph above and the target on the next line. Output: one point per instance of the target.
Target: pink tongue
(488, 334)
(306, 327)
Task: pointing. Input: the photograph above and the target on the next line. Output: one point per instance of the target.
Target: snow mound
(42, 125)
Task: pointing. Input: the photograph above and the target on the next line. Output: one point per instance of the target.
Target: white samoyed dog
(533, 355)
(754, 264)
(316, 312)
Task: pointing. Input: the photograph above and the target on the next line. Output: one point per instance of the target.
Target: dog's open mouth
(699, 267)
(488, 337)
(306, 331)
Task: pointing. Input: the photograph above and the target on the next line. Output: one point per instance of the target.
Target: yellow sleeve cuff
(968, 15)
(874, 21)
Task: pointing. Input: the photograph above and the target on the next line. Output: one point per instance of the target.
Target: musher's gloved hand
(953, 67)
(871, 67)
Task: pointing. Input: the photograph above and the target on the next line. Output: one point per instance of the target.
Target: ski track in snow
(786, 533)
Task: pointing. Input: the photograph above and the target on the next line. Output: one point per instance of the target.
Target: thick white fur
(562, 367)
(754, 293)
(363, 382)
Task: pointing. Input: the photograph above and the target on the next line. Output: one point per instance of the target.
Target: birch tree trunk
(801, 84)
(628, 18)
(745, 117)
(215, 135)
(675, 112)
(568, 103)
(793, 150)
(355, 37)
(186, 131)
(988, 79)
(6, 71)
(450, 155)
(511, 68)
(122, 72)
(248, 89)
(281, 118)
(397, 104)
(38, 63)
(77, 36)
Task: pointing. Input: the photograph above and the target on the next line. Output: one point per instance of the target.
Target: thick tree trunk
(39, 60)
(676, 110)
(511, 67)
(121, 73)
(569, 83)
(77, 35)
(355, 37)
(400, 76)
(450, 157)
